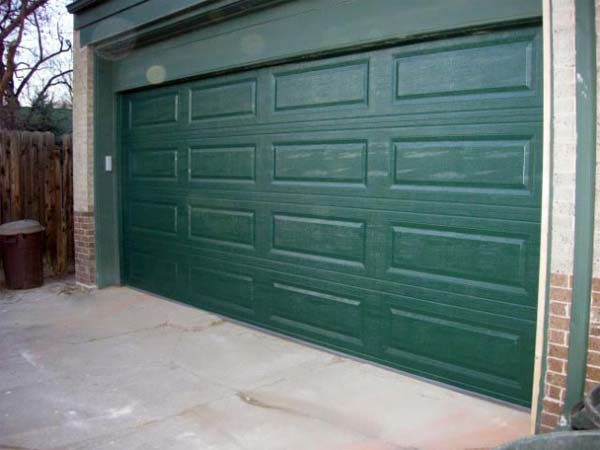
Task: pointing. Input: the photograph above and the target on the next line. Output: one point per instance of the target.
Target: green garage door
(384, 203)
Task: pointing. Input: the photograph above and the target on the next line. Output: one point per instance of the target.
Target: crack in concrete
(165, 324)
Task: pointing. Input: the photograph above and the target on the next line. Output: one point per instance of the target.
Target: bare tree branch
(27, 7)
(30, 56)
(65, 46)
(54, 81)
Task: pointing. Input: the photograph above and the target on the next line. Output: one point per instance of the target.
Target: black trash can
(22, 246)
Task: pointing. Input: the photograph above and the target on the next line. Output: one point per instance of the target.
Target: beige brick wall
(83, 126)
(564, 138)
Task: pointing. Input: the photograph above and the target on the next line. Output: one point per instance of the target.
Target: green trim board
(348, 202)
(107, 199)
(548, 150)
(585, 188)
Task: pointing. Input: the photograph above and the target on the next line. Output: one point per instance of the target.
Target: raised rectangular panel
(478, 352)
(231, 227)
(321, 162)
(153, 165)
(227, 163)
(317, 238)
(321, 86)
(153, 110)
(235, 290)
(497, 163)
(318, 312)
(153, 217)
(223, 100)
(484, 68)
(466, 254)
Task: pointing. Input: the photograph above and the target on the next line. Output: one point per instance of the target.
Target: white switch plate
(108, 163)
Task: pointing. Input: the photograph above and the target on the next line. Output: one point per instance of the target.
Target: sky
(61, 19)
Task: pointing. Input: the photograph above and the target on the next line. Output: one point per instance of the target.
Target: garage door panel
(160, 109)
(385, 203)
(457, 254)
(492, 70)
(313, 162)
(233, 99)
(159, 219)
(455, 165)
(222, 288)
(527, 215)
(476, 348)
(320, 238)
(222, 164)
(428, 291)
(318, 86)
(155, 165)
(501, 163)
(461, 253)
(225, 226)
(320, 310)
(471, 68)
(495, 259)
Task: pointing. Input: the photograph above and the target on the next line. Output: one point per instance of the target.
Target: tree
(23, 54)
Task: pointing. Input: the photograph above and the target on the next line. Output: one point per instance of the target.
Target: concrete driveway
(121, 369)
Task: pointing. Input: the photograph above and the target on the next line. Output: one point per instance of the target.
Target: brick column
(83, 162)
(563, 221)
(593, 361)
(85, 248)
(564, 147)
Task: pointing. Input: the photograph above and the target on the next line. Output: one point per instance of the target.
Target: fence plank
(36, 182)
(16, 206)
(4, 178)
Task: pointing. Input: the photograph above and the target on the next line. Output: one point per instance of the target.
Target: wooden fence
(36, 182)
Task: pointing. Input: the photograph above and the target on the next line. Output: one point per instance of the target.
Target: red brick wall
(593, 366)
(561, 291)
(85, 249)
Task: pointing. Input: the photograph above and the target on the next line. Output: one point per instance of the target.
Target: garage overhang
(146, 21)
(133, 23)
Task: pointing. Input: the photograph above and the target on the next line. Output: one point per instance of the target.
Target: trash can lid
(20, 227)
